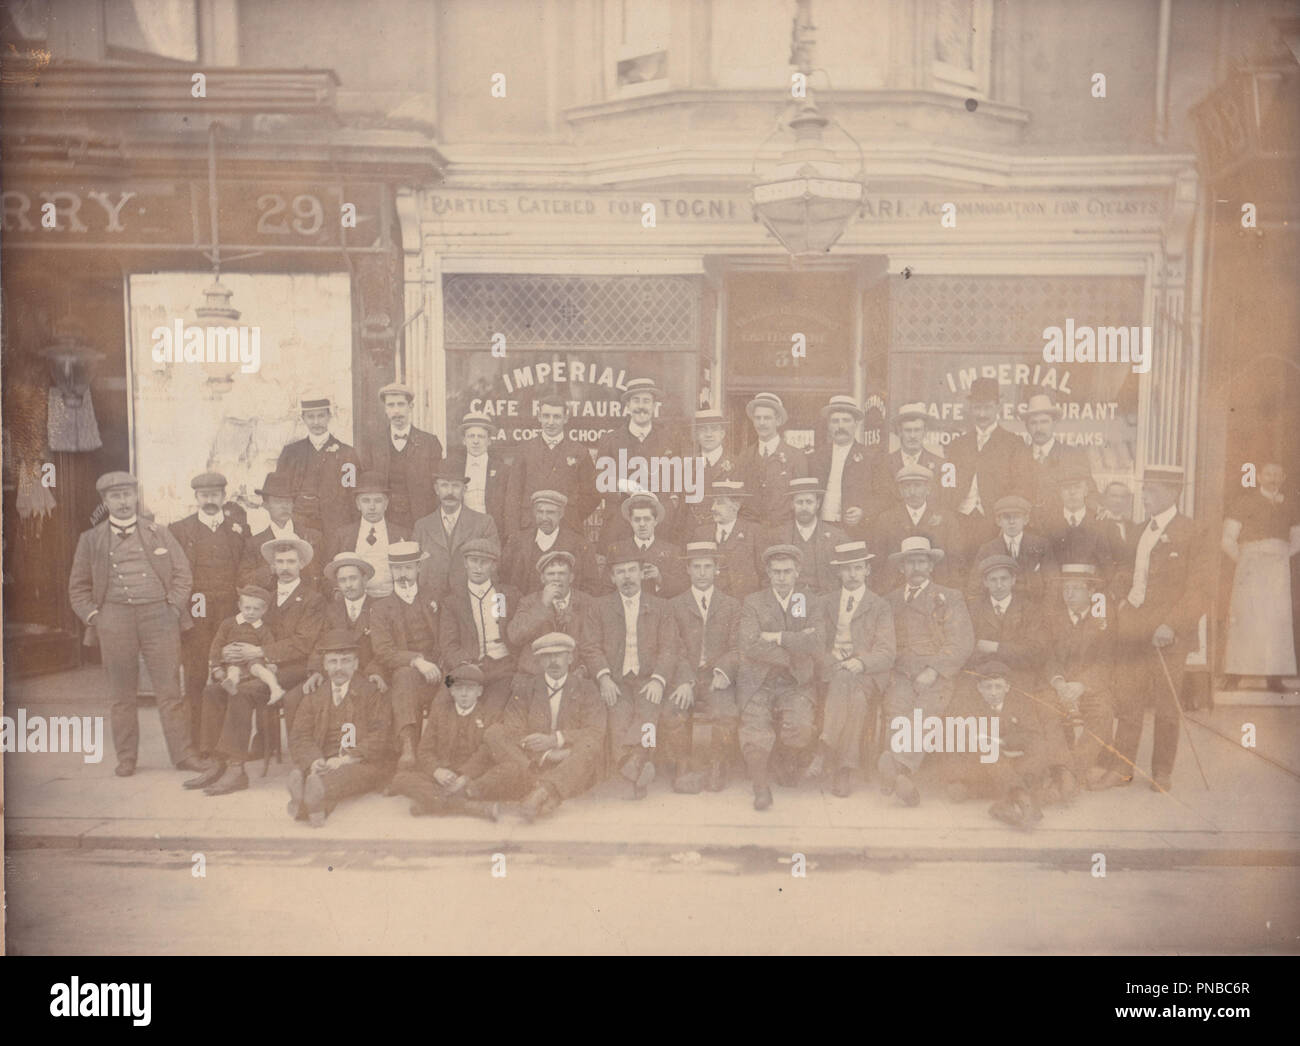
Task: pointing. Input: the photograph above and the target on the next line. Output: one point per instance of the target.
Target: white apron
(1260, 640)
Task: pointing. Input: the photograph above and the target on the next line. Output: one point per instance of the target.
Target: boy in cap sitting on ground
(246, 626)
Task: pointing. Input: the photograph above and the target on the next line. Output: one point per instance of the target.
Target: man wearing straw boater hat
(552, 461)
(845, 467)
(642, 436)
(1049, 458)
(934, 639)
(1162, 581)
(768, 464)
(719, 463)
(708, 622)
(485, 471)
(315, 467)
(858, 626)
(548, 533)
(735, 536)
(662, 572)
(910, 425)
(403, 458)
(989, 461)
(812, 536)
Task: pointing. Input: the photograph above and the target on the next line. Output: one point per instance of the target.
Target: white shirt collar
(725, 528)
(463, 712)
(918, 589)
(114, 521)
(318, 443)
(244, 621)
(856, 594)
(285, 531)
(281, 589)
(554, 686)
(212, 522)
(806, 532)
(339, 693)
(477, 460)
(479, 590)
(1164, 518)
(1002, 603)
(631, 601)
(706, 594)
(838, 451)
(785, 603)
(772, 445)
(638, 431)
(917, 514)
(454, 516)
(359, 604)
(713, 456)
(552, 443)
(1046, 448)
(401, 593)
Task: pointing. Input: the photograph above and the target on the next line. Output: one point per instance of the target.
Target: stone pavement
(1249, 815)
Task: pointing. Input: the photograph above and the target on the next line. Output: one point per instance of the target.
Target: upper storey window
(143, 29)
(960, 45)
(636, 45)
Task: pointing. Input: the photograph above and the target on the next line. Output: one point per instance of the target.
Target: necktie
(1154, 526)
(848, 607)
(910, 594)
(722, 536)
(1015, 549)
(704, 604)
(354, 611)
(1075, 521)
(999, 609)
(399, 439)
(644, 548)
(372, 537)
(482, 624)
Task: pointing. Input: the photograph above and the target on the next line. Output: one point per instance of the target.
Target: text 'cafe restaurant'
(523, 292)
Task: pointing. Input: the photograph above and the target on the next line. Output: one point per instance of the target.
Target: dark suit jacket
(871, 634)
(334, 503)
(739, 569)
(445, 567)
(1176, 585)
(226, 633)
(458, 635)
(1045, 479)
(424, 451)
(374, 723)
(336, 617)
(657, 643)
(1082, 653)
(1089, 542)
(933, 631)
(392, 637)
(254, 570)
(1001, 468)
(1037, 565)
(799, 651)
(519, 565)
(439, 742)
(344, 538)
(567, 468)
(816, 574)
(768, 482)
(296, 625)
(717, 639)
(581, 718)
(939, 524)
(672, 569)
(857, 489)
(886, 486)
(220, 593)
(88, 581)
(533, 620)
(699, 515)
(1018, 634)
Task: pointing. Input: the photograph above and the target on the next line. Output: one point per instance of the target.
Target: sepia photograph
(652, 477)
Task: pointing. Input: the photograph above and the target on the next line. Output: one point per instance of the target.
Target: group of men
(442, 627)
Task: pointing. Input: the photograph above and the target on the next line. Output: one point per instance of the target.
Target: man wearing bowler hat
(736, 538)
(780, 644)
(405, 630)
(443, 532)
(1162, 580)
(934, 640)
(768, 464)
(858, 627)
(341, 743)
(485, 472)
(474, 622)
(213, 542)
(548, 533)
(989, 462)
(708, 623)
(910, 424)
(552, 461)
(844, 466)
(315, 466)
(370, 536)
(1049, 457)
(812, 536)
(130, 585)
(403, 460)
(277, 494)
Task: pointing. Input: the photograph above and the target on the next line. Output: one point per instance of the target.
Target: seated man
(452, 751)
(736, 538)
(404, 633)
(632, 651)
(707, 619)
(858, 627)
(1080, 669)
(342, 738)
(246, 627)
(558, 607)
(934, 637)
(1008, 762)
(547, 746)
(780, 642)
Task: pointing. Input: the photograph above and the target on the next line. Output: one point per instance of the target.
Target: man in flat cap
(708, 624)
(405, 631)
(548, 533)
(844, 467)
(911, 425)
(662, 572)
(314, 466)
(294, 619)
(369, 536)
(768, 464)
(341, 743)
(1008, 623)
(1049, 457)
(277, 494)
(1030, 550)
(485, 472)
(452, 751)
(557, 606)
(1162, 580)
(212, 539)
(403, 459)
(348, 611)
(719, 463)
(443, 532)
(547, 747)
(780, 644)
(130, 585)
(552, 461)
(934, 640)
(919, 512)
(990, 462)
(1074, 534)
(643, 436)
(737, 538)
(812, 536)
(632, 651)
(858, 627)
(474, 622)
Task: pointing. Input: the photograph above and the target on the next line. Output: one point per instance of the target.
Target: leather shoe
(313, 800)
(905, 788)
(1161, 783)
(762, 797)
(194, 765)
(843, 783)
(210, 776)
(125, 768)
(295, 808)
(537, 803)
(233, 780)
(888, 770)
(816, 767)
(641, 786)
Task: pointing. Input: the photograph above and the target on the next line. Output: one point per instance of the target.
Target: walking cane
(1182, 720)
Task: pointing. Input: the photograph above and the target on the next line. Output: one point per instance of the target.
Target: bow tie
(123, 531)
(1155, 525)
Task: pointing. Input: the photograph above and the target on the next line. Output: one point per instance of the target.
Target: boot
(210, 776)
(473, 808)
(313, 798)
(406, 761)
(756, 760)
(295, 808)
(538, 803)
(232, 780)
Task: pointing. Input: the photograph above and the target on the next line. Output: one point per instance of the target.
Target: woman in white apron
(1261, 533)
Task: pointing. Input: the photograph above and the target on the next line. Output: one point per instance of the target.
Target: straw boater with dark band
(720, 463)
(317, 466)
(403, 458)
(485, 472)
(768, 464)
(812, 536)
(735, 536)
(277, 494)
(642, 436)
